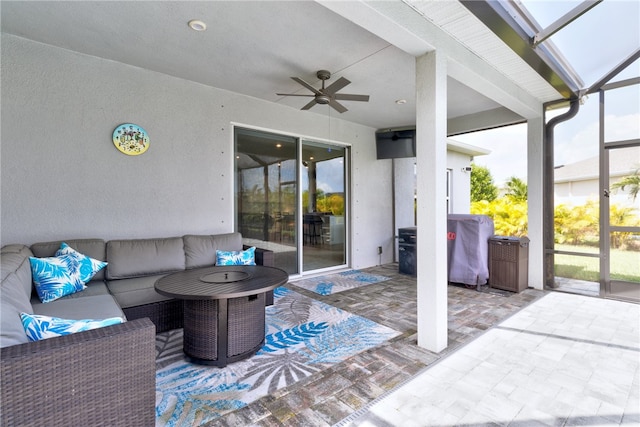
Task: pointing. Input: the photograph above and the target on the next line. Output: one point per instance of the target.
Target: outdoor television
(393, 144)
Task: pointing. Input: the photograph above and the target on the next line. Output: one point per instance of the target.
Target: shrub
(573, 225)
(509, 216)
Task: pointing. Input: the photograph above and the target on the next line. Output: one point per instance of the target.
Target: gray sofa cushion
(15, 259)
(136, 291)
(200, 250)
(15, 291)
(93, 248)
(12, 332)
(92, 307)
(144, 257)
(93, 288)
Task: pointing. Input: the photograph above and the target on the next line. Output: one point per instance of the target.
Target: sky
(575, 140)
(508, 147)
(593, 47)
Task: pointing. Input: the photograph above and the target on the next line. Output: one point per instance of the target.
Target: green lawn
(625, 265)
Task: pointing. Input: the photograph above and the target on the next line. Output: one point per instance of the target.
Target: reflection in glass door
(266, 194)
(323, 175)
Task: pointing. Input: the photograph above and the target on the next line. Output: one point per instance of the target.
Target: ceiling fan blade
(337, 106)
(292, 94)
(307, 85)
(350, 97)
(336, 86)
(310, 104)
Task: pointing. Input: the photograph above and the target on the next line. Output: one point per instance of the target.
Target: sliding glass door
(323, 205)
(291, 198)
(266, 194)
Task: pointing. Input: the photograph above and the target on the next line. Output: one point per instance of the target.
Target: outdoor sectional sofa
(102, 376)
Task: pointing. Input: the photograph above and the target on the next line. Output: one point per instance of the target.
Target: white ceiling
(252, 48)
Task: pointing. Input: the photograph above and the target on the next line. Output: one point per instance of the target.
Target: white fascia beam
(373, 20)
(402, 26)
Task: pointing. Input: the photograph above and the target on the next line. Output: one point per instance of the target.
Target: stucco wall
(62, 177)
(461, 182)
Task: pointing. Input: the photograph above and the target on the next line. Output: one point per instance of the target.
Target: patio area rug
(303, 336)
(339, 282)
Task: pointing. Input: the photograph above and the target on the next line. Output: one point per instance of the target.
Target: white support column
(535, 161)
(431, 160)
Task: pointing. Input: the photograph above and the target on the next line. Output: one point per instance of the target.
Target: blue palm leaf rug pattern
(303, 336)
(338, 282)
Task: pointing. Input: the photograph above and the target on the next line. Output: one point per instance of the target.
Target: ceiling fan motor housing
(323, 99)
(323, 75)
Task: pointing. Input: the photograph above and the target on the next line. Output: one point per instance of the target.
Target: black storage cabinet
(509, 263)
(407, 250)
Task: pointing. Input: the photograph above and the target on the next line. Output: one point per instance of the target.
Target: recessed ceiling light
(401, 101)
(197, 25)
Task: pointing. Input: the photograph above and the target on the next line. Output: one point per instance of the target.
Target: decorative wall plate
(130, 139)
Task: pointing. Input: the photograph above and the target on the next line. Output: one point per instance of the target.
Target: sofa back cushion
(144, 257)
(93, 248)
(15, 293)
(200, 250)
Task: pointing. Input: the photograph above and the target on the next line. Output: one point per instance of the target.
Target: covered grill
(468, 248)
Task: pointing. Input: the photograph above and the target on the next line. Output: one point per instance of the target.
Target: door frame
(614, 289)
(298, 238)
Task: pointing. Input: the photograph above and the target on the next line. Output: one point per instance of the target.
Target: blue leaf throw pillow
(64, 274)
(42, 327)
(246, 257)
(87, 267)
(55, 277)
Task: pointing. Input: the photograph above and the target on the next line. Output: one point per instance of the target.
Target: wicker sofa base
(166, 315)
(100, 377)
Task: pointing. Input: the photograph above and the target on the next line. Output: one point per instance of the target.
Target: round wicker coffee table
(223, 309)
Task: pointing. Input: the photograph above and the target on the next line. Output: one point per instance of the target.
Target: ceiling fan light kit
(328, 95)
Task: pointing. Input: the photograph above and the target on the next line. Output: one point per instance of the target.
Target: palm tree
(630, 181)
(516, 189)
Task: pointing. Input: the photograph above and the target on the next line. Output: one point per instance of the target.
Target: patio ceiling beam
(563, 21)
(375, 21)
(501, 23)
(489, 119)
(401, 25)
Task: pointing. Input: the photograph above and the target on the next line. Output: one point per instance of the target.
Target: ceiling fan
(327, 95)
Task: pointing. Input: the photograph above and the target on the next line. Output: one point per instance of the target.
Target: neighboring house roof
(622, 162)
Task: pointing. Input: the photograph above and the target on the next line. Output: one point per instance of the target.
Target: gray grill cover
(468, 247)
